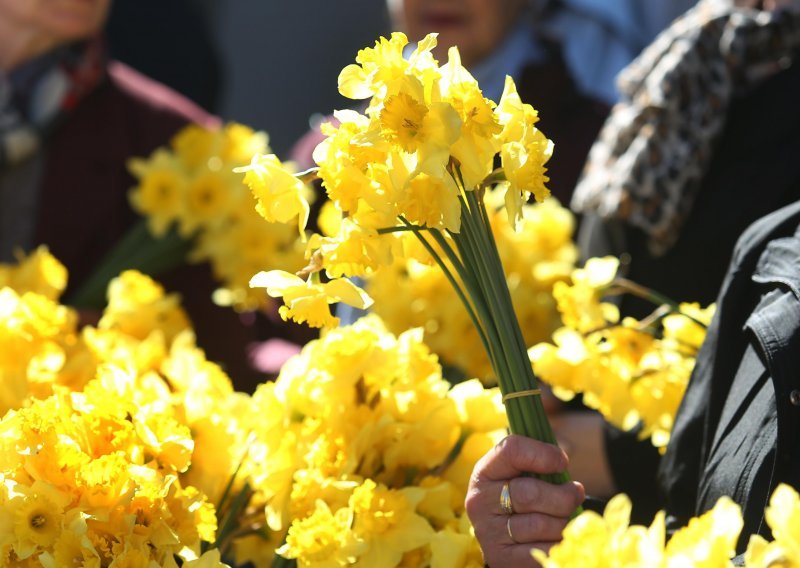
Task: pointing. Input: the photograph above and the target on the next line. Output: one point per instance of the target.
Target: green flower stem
(449, 275)
(645, 293)
(138, 249)
(655, 316)
(507, 307)
(232, 479)
(485, 322)
(472, 297)
(492, 290)
(230, 522)
(652, 296)
(503, 294)
(308, 176)
(478, 248)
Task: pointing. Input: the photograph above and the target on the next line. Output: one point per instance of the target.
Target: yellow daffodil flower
(137, 305)
(580, 304)
(194, 146)
(476, 147)
(208, 201)
(783, 517)
(386, 521)
(38, 272)
(604, 541)
(280, 195)
(309, 302)
(384, 64)
(354, 251)
(161, 189)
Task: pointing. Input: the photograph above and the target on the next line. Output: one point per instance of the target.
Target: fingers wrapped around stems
(541, 510)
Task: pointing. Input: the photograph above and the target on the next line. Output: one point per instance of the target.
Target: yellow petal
(354, 82)
(348, 293)
(274, 280)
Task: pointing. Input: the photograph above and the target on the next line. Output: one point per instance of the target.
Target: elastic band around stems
(520, 394)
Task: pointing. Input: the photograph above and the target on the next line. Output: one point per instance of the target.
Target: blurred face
(476, 26)
(59, 21)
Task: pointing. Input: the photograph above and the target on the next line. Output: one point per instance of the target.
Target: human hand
(541, 510)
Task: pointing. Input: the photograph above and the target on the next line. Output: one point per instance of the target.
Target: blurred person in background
(550, 49)
(563, 57)
(703, 142)
(69, 120)
(142, 34)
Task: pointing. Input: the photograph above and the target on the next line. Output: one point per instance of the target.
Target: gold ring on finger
(508, 528)
(505, 500)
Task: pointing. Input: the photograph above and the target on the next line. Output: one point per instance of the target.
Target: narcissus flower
(384, 64)
(386, 521)
(137, 305)
(323, 539)
(280, 194)
(633, 372)
(607, 541)
(193, 188)
(580, 302)
(161, 188)
(39, 272)
(306, 301)
(783, 517)
(364, 464)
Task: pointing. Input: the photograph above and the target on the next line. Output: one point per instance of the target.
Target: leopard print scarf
(648, 162)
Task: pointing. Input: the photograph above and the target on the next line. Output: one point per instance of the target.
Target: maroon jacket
(84, 207)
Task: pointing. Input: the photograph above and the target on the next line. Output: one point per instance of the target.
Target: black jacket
(737, 430)
(755, 170)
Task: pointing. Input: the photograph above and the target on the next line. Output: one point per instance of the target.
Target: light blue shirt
(518, 50)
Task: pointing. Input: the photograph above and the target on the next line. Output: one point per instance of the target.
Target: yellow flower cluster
(93, 479)
(135, 451)
(40, 273)
(191, 184)
(36, 332)
(633, 372)
(708, 541)
(428, 137)
(606, 541)
(41, 348)
(368, 452)
(116, 440)
(415, 293)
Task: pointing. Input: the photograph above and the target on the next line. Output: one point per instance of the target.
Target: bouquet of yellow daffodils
(633, 372)
(595, 541)
(416, 168)
(196, 209)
